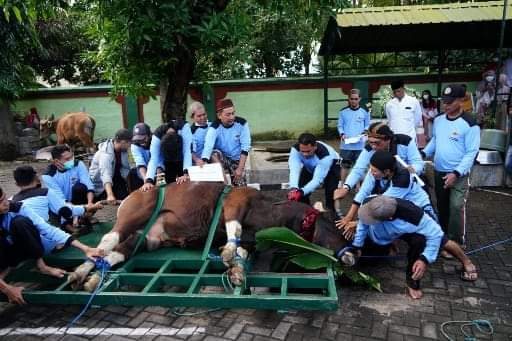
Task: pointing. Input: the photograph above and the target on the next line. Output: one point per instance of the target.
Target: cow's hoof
(228, 254)
(92, 282)
(237, 275)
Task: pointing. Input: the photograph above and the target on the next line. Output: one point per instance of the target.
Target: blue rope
(103, 266)
(488, 246)
(483, 326)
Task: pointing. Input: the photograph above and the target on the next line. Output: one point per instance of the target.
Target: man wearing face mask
(141, 141)
(68, 177)
(109, 168)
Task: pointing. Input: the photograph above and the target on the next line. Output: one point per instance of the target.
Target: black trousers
(26, 243)
(134, 180)
(119, 187)
(330, 183)
(416, 245)
(173, 169)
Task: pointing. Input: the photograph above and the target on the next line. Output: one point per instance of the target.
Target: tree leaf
(17, 13)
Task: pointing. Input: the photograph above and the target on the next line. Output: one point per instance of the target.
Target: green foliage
(306, 255)
(141, 41)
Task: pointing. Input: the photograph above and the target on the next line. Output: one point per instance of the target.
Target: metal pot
(489, 157)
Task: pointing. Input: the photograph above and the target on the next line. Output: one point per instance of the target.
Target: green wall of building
(290, 105)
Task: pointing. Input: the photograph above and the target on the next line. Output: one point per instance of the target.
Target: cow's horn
(319, 206)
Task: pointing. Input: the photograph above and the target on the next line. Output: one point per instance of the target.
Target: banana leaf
(289, 240)
(311, 261)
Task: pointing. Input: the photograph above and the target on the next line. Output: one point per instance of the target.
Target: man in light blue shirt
(387, 177)
(383, 219)
(139, 148)
(198, 129)
(312, 163)
(69, 178)
(228, 141)
(455, 143)
(25, 235)
(45, 200)
(352, 122)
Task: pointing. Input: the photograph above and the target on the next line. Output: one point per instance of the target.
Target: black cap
(452, 92)
(397, 84)
(123, 135)
(140, 132)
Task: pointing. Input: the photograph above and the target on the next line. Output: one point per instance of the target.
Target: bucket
(493, 139)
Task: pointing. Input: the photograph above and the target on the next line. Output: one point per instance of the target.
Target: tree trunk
(7, 134)
(174, 95)
(306, 59)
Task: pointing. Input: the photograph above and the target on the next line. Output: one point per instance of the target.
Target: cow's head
(47, 127)
(326, 234)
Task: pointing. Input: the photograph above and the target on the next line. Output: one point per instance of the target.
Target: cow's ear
(319, 206)
(52, 117)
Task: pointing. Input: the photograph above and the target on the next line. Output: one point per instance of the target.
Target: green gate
(178, 278)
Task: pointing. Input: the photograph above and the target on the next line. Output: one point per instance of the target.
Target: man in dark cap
(403, 111)
(383, 219)
(455, 143)
(109, 167)
(228, 141)
(141, 142)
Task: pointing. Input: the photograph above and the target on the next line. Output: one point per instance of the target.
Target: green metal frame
(178, 278)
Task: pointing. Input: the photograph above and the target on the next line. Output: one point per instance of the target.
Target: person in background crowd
(141, 142)
(25, 235)
(198, 129)
(429, 112)
(312, 163)
(467, 103)
(455, 143)
(403, 111)
(352, 122)
(32, 120)
(228, 141)
(109, 168)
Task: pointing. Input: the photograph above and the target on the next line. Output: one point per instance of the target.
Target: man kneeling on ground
(24, 235)
(383, 219)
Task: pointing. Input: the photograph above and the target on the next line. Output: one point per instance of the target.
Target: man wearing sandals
(24, 235)
(383, 219)
(455, 143)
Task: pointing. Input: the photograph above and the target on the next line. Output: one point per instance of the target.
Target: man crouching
(25, 235)
(384, 219)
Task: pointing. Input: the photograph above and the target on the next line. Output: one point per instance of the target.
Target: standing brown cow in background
(72, 128)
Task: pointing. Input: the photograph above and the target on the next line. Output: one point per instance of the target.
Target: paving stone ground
(362, 314)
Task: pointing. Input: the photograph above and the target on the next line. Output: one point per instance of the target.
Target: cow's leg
(107, 243)
(235, 207)
(237, 270)
(233, 231)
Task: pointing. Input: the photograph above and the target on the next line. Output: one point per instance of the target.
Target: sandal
(469, 275)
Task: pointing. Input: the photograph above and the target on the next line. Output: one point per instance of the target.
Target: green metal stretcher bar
(178, 278)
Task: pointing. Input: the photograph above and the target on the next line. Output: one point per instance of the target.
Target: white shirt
(404, 115)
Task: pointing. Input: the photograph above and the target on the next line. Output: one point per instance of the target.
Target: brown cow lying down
(71, 128)
(184, 222)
